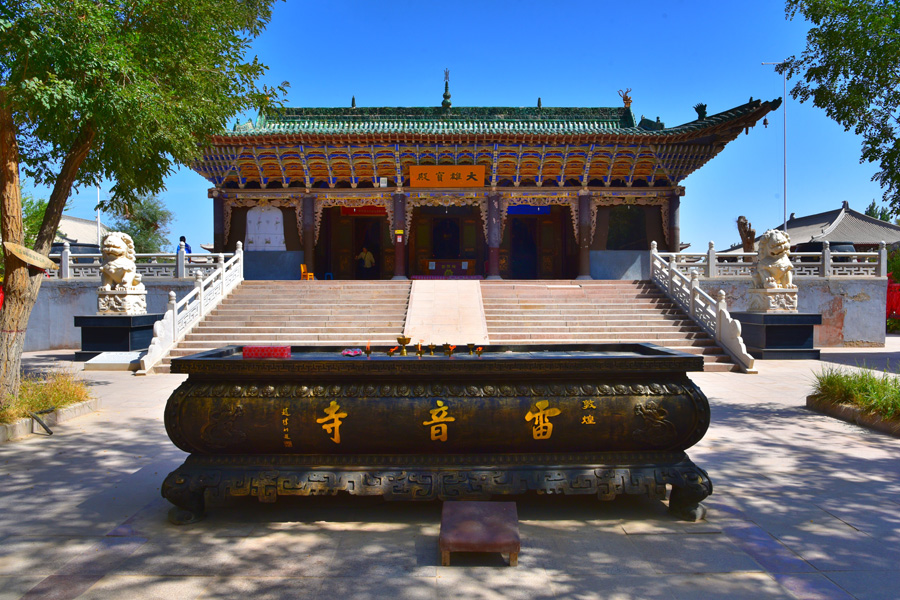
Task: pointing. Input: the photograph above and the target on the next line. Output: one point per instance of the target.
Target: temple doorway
(367, 235)
(538, 243)
(342, 236)
(523, 248)
(446, 242)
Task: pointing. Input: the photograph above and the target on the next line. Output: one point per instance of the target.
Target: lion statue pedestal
(121, 324)
(773, 327)
(773, 289)
(121, 291)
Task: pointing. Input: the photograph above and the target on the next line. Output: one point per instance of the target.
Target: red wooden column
(493, 235)
(309, 231)
(674, 226)
(584, 235)
(399, 238)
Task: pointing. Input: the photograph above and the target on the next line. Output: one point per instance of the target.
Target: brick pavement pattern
(805, 507)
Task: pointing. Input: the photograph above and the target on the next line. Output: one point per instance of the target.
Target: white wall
(52, 322)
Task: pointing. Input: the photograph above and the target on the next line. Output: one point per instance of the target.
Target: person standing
(367, 262)
(187, 247)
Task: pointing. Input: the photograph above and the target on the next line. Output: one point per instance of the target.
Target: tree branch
(61, 190)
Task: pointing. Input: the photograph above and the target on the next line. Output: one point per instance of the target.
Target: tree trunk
(16, 284)
(22, 283)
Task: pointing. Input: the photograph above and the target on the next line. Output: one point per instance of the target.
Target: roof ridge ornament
(446, 102)
(626, 99)
(701, 111)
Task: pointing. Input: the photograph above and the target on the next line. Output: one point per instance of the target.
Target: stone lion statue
(773, 267)
(118, 270)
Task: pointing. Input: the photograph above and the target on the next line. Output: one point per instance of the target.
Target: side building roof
(78, 231)
(839, 225)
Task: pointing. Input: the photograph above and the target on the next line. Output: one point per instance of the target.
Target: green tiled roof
(474, 121)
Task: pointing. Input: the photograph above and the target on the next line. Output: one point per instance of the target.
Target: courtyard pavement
(805, 507)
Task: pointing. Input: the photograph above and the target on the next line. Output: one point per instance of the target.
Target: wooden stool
(479, 527)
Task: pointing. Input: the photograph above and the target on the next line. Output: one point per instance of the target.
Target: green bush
(876, 393)
(53, 390)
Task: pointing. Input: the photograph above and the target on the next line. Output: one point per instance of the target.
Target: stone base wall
(620, 264)
(52, 322)
(852, 309)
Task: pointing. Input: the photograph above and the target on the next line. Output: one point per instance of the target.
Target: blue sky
(672, 55)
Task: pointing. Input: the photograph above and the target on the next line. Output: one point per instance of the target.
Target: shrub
(872, 392)
(40, 392)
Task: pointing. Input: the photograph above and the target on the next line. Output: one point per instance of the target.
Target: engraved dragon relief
(220, 432)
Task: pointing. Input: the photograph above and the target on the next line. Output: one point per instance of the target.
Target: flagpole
(99, 241)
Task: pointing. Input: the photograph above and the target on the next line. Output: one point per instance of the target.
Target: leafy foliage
(893, 265)
(850, 70)
(150, 80)
(879, 212)
(32, 215)
(147, 222)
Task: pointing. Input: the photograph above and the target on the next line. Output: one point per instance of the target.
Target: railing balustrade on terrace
(160, 265)
(712, 264)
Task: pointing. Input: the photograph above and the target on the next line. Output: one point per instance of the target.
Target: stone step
(233, 329)
(224, 339)
(530, 329)
(365, 312)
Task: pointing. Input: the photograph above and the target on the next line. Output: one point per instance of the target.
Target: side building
(434, 192)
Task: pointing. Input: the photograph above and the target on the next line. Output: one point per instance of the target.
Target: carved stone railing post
(65, 262)
(825, 267)
(171, 308)
(239, 251)
(220, 270)
(198, 285)
(711, 261)
(721, 307)
(672, 271)
(881, 269)
(179, 262)
(695, 288)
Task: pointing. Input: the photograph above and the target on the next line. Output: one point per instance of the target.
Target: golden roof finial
(625, 97)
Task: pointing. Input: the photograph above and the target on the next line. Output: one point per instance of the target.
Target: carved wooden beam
(612, 163)
(587, 166)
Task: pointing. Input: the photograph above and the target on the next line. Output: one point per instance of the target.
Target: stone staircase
(308, 313)
(556, 312)
(351, 313)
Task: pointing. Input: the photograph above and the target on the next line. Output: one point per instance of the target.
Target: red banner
(363, 211)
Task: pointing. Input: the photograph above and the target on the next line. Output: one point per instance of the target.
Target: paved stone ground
(804, 507)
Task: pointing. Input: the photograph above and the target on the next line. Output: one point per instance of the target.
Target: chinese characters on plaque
(437, 176)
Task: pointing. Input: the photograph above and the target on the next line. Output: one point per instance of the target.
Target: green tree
(32, 216)
(879, 212)
(147, 222)
(101, 89)
(850, 69)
